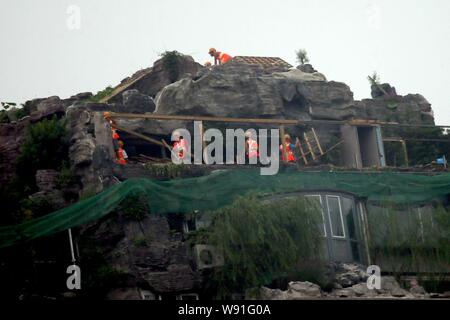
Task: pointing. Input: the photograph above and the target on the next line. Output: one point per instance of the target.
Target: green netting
(222, 187)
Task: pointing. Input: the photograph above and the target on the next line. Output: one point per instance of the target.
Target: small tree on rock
(374, 79)
(302, 56)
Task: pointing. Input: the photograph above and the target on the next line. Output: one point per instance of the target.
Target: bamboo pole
(134, 133)
(283, 144)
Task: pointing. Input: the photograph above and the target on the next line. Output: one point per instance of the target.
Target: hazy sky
(44, 51)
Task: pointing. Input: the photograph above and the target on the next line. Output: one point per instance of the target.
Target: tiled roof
(263, 61)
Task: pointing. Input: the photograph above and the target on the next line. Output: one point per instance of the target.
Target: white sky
(406, 41)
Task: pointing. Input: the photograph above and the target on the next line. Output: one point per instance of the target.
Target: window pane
(316, 200)
(334, 210)
(349, 217)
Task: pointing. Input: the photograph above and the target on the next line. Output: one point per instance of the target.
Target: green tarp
(222, 187)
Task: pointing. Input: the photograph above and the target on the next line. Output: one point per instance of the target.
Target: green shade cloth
(221, 188)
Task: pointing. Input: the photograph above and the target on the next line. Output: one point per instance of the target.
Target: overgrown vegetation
(101, 94)
(10, 112)
(374, 79)
(263, 242)
(65, 176)
(166, 170)
(410, 239)
(302, 56)
(170, 63)
(45, 147)
(419, 150)
(135, 206)
(100, 276)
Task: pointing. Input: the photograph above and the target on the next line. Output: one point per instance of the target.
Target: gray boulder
(348, 274)
(382, 90)
(302, 290)
(248, 91)
(135, 102)
(308, 68)
(46, 180)
(50, 104)
(151, 80)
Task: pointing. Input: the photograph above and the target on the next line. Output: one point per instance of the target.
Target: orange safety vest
(224, 58)
(180, 148)
(289, 151)
(121, 156)
(115, 135)
(252, 148)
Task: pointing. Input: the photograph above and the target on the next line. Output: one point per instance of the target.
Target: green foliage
(263, 241)
(374, 79)
(166, 170)
(424, 152)
(333, 156)
(35, 208)
(419, 152)
(392, 105)
(7, 105)
(409, 240)
(45, 147)
(140, 241)
(170, 64)
(65, 176)
(4, 117)
(302, 56)
(110, 277)
(11, 113)
(101, 94)
(135, 206)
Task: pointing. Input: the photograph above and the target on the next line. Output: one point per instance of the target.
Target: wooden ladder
(313, 146)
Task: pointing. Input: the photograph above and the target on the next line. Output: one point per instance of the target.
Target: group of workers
(181, 149)
(121, 154)
(286, 153)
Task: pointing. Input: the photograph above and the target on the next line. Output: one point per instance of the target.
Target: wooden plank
(309, 146)
(333, 147)
(283, 144)
(134, 133)
(124, 86)
(268, 121)
(405, 151)
(317, 140)
(297, 142)
(202, 118)
(169, 147)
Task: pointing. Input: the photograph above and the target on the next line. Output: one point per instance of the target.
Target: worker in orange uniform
(251, 146)
(179, 147)
(289, 149)
(121, 154)
(219, 57)
(115, 135)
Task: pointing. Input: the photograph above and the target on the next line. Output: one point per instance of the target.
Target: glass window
(349, 217)
(335, 214)
(318, 201)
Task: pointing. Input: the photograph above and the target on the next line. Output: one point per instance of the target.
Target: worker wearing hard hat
(251, 146)
(289, 149)
(180, 148)
(122, 156)
(219, 57)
